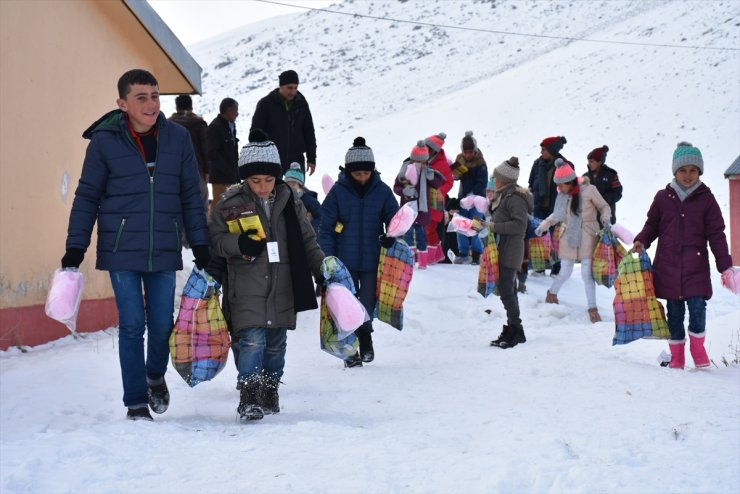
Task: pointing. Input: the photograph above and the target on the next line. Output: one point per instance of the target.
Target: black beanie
(359, 157)
(288, 77)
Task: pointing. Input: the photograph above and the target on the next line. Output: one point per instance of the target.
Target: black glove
(386, 241)
(202, 255)
(217, 268)
(250, 247)
(73, 258)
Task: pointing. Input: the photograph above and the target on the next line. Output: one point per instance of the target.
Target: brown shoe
(593, 314)
(551, 298)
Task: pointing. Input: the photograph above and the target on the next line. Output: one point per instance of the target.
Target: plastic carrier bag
(607, 255)
(488, 272)
(395, 270)
(200, 342)
(332, 339)
(637, 312)
(64, 297)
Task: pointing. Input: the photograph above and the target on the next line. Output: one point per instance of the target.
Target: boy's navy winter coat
(140, 219)
(362, 219)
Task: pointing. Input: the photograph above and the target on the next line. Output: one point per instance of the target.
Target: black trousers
(507, 292)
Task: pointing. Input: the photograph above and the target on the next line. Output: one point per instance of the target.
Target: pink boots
(678, 359)
(423, 258)
(698, 353)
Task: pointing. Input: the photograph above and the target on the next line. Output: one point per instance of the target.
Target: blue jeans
(420, 234)
(465, 244)
(261, 350)
(697, 317)
(152, 310)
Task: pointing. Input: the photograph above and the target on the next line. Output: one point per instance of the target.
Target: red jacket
(683, 229)
(439, 163)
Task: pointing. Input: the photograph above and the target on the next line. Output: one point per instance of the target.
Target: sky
(196, 20)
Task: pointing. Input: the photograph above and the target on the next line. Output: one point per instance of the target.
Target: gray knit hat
(508, 171)
(359, 157)
(686, 154)
(436, 142)
(564, 172)
(468, 142)
(259, 157)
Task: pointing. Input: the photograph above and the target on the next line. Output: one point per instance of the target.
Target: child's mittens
(458, 170)
(731, 279)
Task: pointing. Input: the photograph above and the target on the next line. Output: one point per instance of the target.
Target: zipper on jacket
(177, 233)
(118, 234)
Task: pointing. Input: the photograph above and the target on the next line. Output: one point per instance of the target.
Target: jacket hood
(112, 121)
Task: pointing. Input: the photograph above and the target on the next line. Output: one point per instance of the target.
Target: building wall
(59, 64)
(734, 234)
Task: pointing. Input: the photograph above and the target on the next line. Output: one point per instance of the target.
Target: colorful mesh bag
(637, 312)
(539, 252)
(338, 343)
(488, 271)
(607, 255)
(395, 269)
(555, 237)
(199, 343)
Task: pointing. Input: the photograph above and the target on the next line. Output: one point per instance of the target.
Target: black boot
(505, 332)
(249, 408)
(515, 337)
(159, 396)
(476, 259)
(269, 399)
(353, 361)
(364, 334)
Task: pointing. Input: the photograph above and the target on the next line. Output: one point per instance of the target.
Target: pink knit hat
(419, 152)
(564, 172)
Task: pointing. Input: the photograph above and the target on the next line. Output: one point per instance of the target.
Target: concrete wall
(59, 64)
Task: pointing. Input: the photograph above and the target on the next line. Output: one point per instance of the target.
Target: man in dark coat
(223, 149)
(139, 183)
(197, 127)
(286, 118)
(604, 178)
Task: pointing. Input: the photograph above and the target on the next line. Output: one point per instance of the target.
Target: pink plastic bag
(481, 204)
(461, 224)
(402, 220)
(65, 295)
(467, 202)
(731, 279)
(412, 174)
(346, 311)
(623, 234)
(327, 183)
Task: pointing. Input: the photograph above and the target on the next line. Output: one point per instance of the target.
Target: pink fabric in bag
(402, 220)
(463, 225)
(412, 174)
(65, 295)
(467, 202)
(481, 204)
(347, 312)
(623, 233)
(327, 183)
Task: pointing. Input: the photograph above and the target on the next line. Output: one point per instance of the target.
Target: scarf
(304, 296)
(684, 192)
(561, 213)
(421, 184)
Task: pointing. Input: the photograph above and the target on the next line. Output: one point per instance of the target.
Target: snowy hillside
(394, 82)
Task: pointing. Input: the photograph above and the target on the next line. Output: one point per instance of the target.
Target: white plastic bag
(65, 295)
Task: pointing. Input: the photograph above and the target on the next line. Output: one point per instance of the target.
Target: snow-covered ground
(439, 411)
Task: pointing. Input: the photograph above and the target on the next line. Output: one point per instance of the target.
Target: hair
(227, 104)
(575, 193)
(135, 76)
(184, 102)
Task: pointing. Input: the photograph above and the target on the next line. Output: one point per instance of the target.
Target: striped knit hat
(259, 157)
(419, 152)
(359, 157)
(564, 173)
(508, 171)
(686, 154)
(436, 142)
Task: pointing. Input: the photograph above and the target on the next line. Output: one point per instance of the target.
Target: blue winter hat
(686, 154)
(295, 173)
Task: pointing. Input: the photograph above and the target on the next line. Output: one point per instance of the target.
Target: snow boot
(159, 395)
(249, 408)
(423, 259)
(367, 353)
(466, 259)
(593, 315)
(678, 359)
(269, 400)
(139, 413)
(353, 361)
(515, 336)
(505, 332)
(551, 298)
(476, 259)
(698, 352)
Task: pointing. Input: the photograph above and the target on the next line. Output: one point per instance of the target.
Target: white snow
(439, 411)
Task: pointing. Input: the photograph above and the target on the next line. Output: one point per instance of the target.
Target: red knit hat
(598, 154)
(419, 152)
(564, 172)
(436, 142)
(553, 144)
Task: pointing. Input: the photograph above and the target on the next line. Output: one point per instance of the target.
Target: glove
(250, 247)
(73, 258)
(539, 231)
(387, 241)
(459, 170)
(410, 192)
(217, 268)
(202, 256)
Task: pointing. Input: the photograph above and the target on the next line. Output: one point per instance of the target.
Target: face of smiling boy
(142, 106)
(687, 175)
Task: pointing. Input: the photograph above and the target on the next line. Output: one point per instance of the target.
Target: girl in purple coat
(685, 217)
